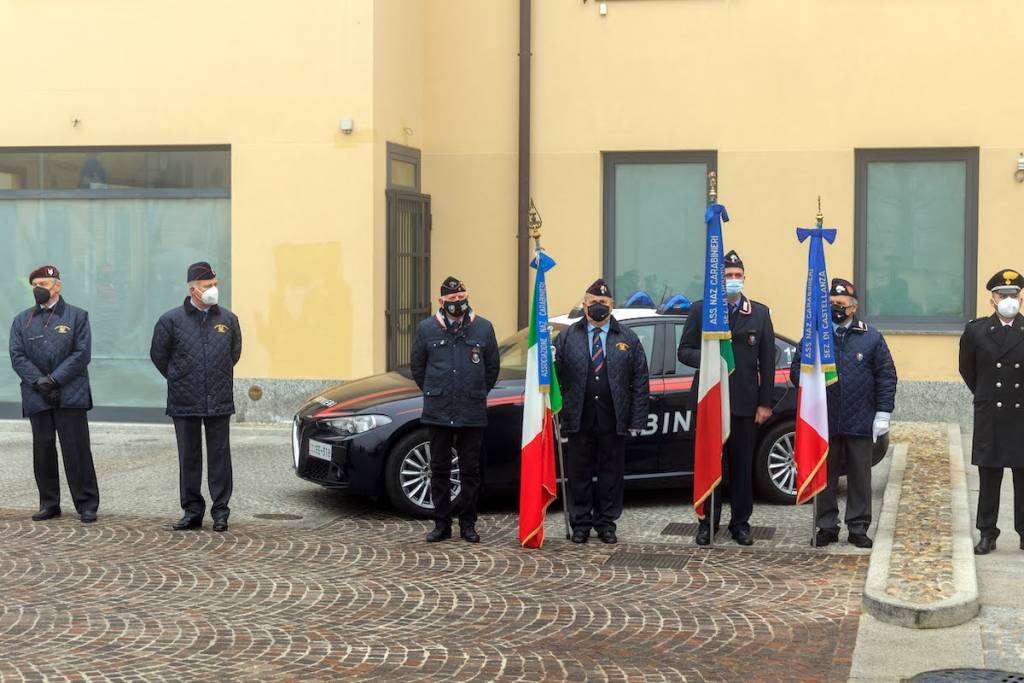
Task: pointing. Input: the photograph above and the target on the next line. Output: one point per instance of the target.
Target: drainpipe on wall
(523, 235)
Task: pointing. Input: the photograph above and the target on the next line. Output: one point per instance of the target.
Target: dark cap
(841, 287)
(1006, 279)
(599, 288)
(733, 260)
(452, 285)
(44, 271)
(200, 271)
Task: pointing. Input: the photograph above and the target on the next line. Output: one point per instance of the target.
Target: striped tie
(597, 358)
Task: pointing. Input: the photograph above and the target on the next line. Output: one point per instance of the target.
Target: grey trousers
(855, 452)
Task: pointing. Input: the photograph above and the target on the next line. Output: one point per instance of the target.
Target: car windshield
(513, 349)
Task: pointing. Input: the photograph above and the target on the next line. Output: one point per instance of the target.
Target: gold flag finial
(820, 217)
(712, 187)
(534, 222)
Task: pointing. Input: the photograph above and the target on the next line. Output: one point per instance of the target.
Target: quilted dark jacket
(628, 377)
(58, 345)
(197, 353)
(867, 380)
(455, 370)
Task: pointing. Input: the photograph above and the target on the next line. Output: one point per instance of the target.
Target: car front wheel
(407, 475)
(774, 466)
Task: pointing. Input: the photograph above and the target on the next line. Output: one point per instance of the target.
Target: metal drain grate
(966, 676)
(281, 516)
(760, 533)
(647, 560)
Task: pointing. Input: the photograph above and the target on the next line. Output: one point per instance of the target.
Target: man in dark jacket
(750, 395)
(195, 347)
(602, 373)
(51, 346)
(455, 363)
(859, 407)
(992, 365)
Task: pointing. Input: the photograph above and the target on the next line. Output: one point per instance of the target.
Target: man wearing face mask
(859, 407)
(750, 395)
(51, 346)
(455, 362)
(195, 347)
(602, 373)
(992, 365)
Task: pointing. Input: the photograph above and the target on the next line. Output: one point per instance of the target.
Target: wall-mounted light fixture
(346, 126)
(1019, 175)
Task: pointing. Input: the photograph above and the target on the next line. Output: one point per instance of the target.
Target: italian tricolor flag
(542, 400)
(713, 415)
(811, 448)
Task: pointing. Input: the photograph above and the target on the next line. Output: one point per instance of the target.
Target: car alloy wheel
(415, 476)
(781, 464)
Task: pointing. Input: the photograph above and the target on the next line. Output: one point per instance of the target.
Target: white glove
(634, 433)
(552, 347)
(880, 426)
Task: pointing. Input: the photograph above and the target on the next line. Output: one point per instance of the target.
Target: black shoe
(440, 533)
(187, 523)
(220, 525)
(825, 537)
(608, 536)
(703, 535)
(46, 513)
(469, 533)
(88, 517)
(986, 545)
(859, 540)
(580, 535)
(743, 537)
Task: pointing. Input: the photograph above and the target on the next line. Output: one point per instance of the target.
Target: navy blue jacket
(628, 377)
(58, 343)
(455, 370)
(197, 353)
(867, 381)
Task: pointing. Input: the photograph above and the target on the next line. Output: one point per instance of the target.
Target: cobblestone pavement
(351, 591)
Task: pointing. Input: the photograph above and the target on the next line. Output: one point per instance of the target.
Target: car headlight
(356, 424)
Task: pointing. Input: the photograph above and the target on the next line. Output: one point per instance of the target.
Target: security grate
(647, 560)
(760, 533)
(966, 676)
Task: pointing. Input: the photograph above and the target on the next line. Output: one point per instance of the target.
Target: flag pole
(535, 222)
(712, 198)
(820, 222)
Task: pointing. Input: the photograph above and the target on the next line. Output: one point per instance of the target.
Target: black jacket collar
(191, 308)
(613, 324)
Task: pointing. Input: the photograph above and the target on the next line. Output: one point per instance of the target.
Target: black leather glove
(52, 396)
(45, 384)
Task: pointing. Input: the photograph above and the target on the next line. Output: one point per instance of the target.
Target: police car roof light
(677, 303)
(639, 299)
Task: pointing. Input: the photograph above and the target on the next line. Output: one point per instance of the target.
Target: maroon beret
(44, 271)
(841, 287)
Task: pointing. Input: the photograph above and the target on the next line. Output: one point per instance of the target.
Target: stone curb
(963, 605)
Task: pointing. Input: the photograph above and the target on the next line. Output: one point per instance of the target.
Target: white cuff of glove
(880, 425)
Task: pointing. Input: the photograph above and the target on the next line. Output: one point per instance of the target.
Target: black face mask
(42, 295)
(457, 309)
(839, 315)
(598, 311)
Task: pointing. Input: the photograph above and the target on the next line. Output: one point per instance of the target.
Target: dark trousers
(738, 467)
(601, 456)
(856, 452)
(990, 481)
(467, 442)
(72, 428)
(188, 431)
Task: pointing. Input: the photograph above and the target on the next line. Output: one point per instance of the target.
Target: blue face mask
(733, 287)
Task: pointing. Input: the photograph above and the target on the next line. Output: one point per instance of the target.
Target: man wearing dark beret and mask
(751, 385)
(860, 405)
(603, 376)
(455, 362)
(992, 365)
(50, 347)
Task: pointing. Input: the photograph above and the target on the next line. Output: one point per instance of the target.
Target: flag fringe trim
(543, 514)
(699, 503)
(716, 335)
(802, 495)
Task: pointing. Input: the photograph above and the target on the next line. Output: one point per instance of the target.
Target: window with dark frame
(403, 167)
(916, 237)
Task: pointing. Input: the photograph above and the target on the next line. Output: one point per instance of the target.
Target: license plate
(319, 450)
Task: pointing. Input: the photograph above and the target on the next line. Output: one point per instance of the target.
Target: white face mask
(1008, 308)
(210, 296)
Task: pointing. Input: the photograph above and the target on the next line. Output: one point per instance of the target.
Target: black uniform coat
(455, 370)
(753, 348)
(58, 345)
(992, 365)
(197, 353)
(628, 377)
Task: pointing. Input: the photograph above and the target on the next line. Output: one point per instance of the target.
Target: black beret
(200, 271)
(44, 271)
(599, 288)
(733, 260)
(1005, 279)
(451, 285)
(841, 287)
